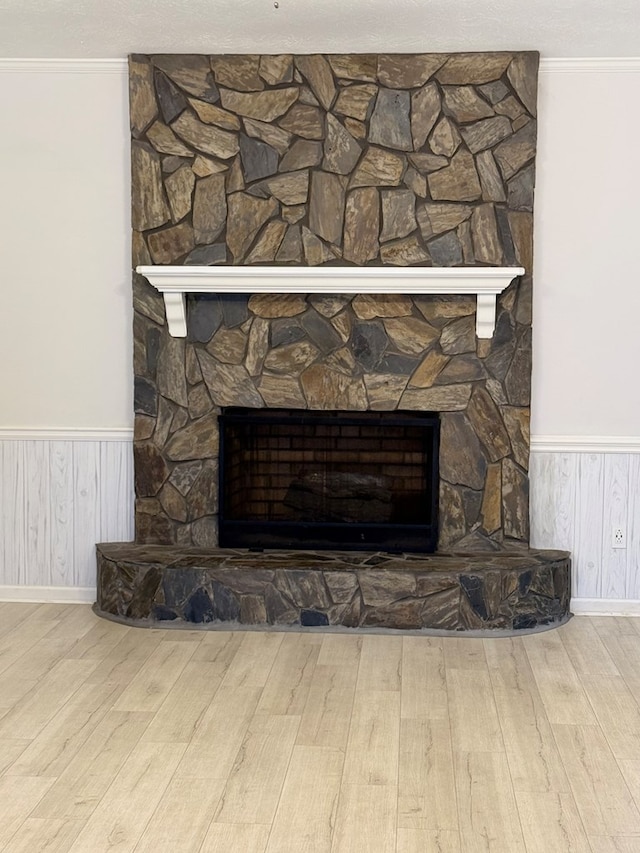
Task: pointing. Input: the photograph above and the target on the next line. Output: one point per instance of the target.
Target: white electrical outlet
(618, 537)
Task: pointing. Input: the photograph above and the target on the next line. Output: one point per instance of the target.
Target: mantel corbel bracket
(173, 282)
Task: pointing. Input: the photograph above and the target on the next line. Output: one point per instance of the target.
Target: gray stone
(368, 343)
(237, 72)
(378, 168)
(326, 208)
(315, 251)
(446, 250)
(457, 182)
(515, 152)
(425, 109)
(291, 247)
(408, 71)
(317, 71)
(516, 420)
(302, 154)
(341, 151)
(171, 244)
(305, 121)
(465, 104)
(192, 368)
(398, 214)
(228, 384)
(515, 504)
(390, 124)
(202, 499)
(170, 99)
(191, 72)
(246, 216)
(205, 137)
(209, 208)
(486, 133)
(303, 588)
(520, 190)
(281, 392)
(445, 139)
(285, 331)
(151, 470)
(393, 362)
(464, 464)
(494, 92)
(263, 106)
(149, 206)
(173, 503)
(355, 101)
(510, 107)
(199, 401)
(517, 382)
(207, 255)
(271, 134)
(404, 252)
(361, 225)
(204, 316)
(449, 398)
(411, 335)
(184, 475)
(460, 368)
(504, 232)
(382, 587)
(258, 159)
(172, 382)
(416, 182)
(441, 217)
(523, 76)
(276, 69)
(198, 440)
(320, 331)
(179, 187)
(459, 336)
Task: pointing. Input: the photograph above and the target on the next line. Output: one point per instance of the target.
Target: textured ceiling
(114, 28)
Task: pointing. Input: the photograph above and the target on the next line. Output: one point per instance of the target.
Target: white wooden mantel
(173, 282)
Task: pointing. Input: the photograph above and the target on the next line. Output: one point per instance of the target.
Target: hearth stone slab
(500, 592)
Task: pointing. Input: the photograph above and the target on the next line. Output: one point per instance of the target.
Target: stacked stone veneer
(422, 159)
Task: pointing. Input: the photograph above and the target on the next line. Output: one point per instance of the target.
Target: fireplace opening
(317, 479)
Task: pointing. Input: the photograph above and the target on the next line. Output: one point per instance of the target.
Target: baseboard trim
(49, 594)
(605, 606)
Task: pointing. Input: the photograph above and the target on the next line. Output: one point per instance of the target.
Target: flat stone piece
(149, 205)
(486, 242)
(273, 135)
(515, 506)
(171, 244)
(291, 359)
(191, 72)
(199, 402)
(172, 382)
(416, 182)
(398, 214)
(516, 420)
(368, 343)
(355, 101)
(170, 99)
(304, 588)
(457, 182)
(317, 71)
(179, 187)
(460, 68)
(465, 464)
(209, 208)
(354, 66)
(205, 137)
(246, 216)
(486, 133)
(408, 71)
(173, 503)
(315, 251)
(207, 255)
(264, 106)
(425, 109)
(397, 363)
(425, 162)
(411, 335)
(383, 588)
(258, 346)
(281, 392)
(290, 250)
(211, 114)
(276, 69)
(204, 316)
(198, 440)
(202, 499)
(290, 189)
(523, 76)
(435, 309)
(461, 368)
(142, 103)
(305, 121)
(520, 190)
(378, 168)
(228, 345)
(326, 208)
(328, 304)
(184, 475)
(444, 139)
(485, 418)
(404, 252)
(512, 154)
(494, 92)
(327, 389)
(430, 367)
(490, 180)
(491, 510)
(510, 107)
(384, 390)
(517, 382)
(367, 306)
(320, 331)
(459, 336)
(465, 104)
(443, 217)
(390, 124)
(446, 250)
(151, 470)
(267, 244)
(277, 304)
(237, 72)
(449, 398)
(228, 384)
(258, 158)
(361, 225)
(341, 151)
(302, 154)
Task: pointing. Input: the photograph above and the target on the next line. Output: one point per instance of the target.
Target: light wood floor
(123, 739)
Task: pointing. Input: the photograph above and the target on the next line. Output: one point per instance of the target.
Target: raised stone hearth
(457, 592)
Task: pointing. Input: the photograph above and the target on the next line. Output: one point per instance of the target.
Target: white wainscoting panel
(57, 499)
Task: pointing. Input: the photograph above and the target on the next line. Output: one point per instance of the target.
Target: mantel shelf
(175, 281)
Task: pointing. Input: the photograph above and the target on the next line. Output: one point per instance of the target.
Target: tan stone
(171, 244)
(378, 167)
(203, 167)
(487, 247)
(354, 66)
(291, 359)
(486, 420)
(228, 384)
(142, 102)
(486, 133)
(411, 335)
(246, 215)
(239, 71)
(521, 227)
(209, 208)
(257, 346)
(515, 506)
(475, 68)
(291, 188)
(149, 207)
(198, 440)
(269, 133)
(235, 176)
(315, 251)
(276, 69)
(328, 304)
(357, 129)
(425, 109)
(425, 162)
(329, 389)
(459, 336)
(361, 224)
(515, 152)
(173, 503)
(165, 141)
(302, 154)
(264, 106)
(228, 345)
(465, 104)
(445, 139)
(398, 214)
(436, 308)
(305, 121)
(384, 390)
(342, 324)
(317, 71)
(179, 187)
(404, 252)
(291, 247)
(441, 216)
(516, 421)
(139, 253)
(270, 305)
(427, 371)
(367, 306)
(457, 182)
(447, 398)
(143, 426)
(355, 101)
(491, 511)
(463, 463)
(523, 76)
(211, 114)
(191, 72)
(281, 392)
(408, 71)
(490, 180)
(341, 151)
(294, 213)
(268, 243)
(199, 401)
(206, 137)
(341, 359)
(326, 208)
(464, 235)
(510, 107)
(416, 182)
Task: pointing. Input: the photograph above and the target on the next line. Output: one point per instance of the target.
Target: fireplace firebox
(321, 480)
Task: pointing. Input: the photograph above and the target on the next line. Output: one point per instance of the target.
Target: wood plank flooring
(132, 740)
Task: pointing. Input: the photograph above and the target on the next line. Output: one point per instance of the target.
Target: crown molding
(66, 434)
(585, 444)
(589, 64)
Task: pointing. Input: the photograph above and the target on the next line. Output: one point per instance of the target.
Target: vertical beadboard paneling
(37, 556)
(553, 499)
(12, 510)
(61, 496)
(87, 520)
(587, 542)
(633, 529)
(615, 509)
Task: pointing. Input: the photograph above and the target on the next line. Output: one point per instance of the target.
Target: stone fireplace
(332, 161)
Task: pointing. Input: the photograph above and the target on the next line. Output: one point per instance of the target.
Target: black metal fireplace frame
(322, 535)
